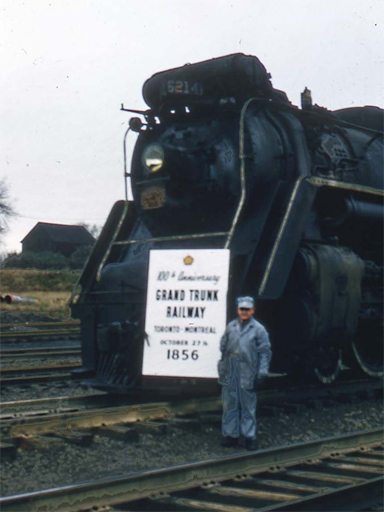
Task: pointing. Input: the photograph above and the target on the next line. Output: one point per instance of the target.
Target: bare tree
(94, 229)
(6, 209)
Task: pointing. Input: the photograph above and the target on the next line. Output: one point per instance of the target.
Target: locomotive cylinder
(352, 210)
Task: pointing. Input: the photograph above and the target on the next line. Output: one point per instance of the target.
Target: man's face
(245, 314)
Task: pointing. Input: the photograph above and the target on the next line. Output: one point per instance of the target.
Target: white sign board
(186, 312)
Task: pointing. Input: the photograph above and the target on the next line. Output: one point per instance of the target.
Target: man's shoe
(228, 441)
(251, 444)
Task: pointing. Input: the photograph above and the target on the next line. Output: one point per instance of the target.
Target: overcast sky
(67, 65)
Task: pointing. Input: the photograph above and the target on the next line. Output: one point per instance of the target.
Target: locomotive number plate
(185, 87)
(186, 312)
(153, 197)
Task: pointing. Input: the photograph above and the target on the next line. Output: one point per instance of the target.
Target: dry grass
(51, 288)
(17, 281)
(54, 304)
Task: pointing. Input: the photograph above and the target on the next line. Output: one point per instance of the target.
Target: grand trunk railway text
(185, 312)
(180, 295)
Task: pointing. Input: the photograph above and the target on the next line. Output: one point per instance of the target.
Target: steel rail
(34, 374)
(34, 379)
(72, 323)
(359, 496)
(11, 335)
(219, 482)
(19, 353)
(25, 408)
(36, 369)
(37, 350)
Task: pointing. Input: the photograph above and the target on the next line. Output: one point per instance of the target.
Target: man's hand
(260, 378)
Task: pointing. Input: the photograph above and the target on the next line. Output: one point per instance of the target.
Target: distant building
(58, 238)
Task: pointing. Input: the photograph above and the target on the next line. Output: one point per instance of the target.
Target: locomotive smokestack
(306, 99)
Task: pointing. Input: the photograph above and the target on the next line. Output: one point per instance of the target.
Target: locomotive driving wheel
(326, 363)
(368, 351)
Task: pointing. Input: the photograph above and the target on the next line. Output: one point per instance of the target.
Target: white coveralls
(246, 353)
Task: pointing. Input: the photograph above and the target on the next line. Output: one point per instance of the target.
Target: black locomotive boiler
(224, 160)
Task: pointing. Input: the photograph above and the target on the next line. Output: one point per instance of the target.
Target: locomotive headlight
(153, 157)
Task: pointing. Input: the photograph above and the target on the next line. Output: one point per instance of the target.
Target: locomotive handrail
(126, 174)
(316, 182)
(170, 238)
(116, 232)
(242, 172)
(272, 257)
(323, 182)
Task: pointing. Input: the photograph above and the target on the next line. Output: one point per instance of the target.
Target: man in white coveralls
(246, 354)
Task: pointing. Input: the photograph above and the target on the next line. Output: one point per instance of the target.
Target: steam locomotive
(224, 160)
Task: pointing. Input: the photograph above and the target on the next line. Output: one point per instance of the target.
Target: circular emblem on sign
(188, 260)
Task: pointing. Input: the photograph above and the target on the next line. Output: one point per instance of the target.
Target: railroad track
(76, 420)
(45, 406)
(34, 417)
(39, 331)
(72, 414)
(32, 374)
(338, 473)
(38, 353)
(44, 333)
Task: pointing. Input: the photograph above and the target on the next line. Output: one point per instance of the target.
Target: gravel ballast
(62, 388)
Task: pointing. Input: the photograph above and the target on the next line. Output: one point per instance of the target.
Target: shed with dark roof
(59, 238)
